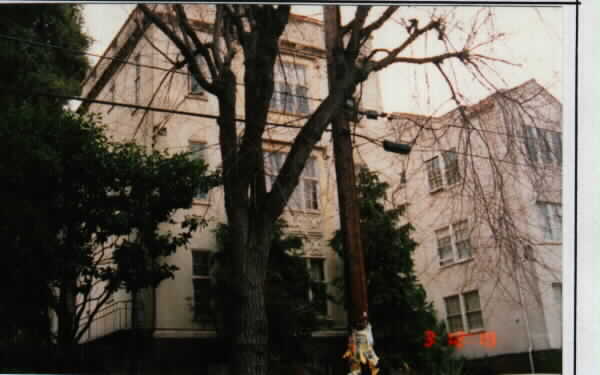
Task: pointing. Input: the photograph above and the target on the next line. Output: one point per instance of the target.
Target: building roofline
(480, 105)
(110, 45)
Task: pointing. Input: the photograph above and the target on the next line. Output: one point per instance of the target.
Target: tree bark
(66, 324)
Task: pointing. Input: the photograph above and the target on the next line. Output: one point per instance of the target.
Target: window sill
(199, 96)
(456, 262)
(291, 114)
(472, 332)
(200, 202)
(549, 243)
(445, 187)
(300, 211)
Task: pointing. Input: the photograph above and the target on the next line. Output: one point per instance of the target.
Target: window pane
(200, 263)
(320, 298)
(461, 231)
(472, 301)
(545, 220)
(444, 246)
(455, 323)
(310, 169)
(557, 225)
(530, 141)
(434, 173)
(475, 320)
(316, 269)
(311, 194)
(276, 100)
(201, 298)
(557, 146)
(287, 98)
(451, 162)
(452, 305)
(462, 238)
(464, 249)
(302, 99)
(544, 143)
(198, 152)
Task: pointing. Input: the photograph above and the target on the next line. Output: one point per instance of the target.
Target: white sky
(533, 38)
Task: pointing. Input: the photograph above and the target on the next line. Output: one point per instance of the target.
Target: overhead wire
(389, 116)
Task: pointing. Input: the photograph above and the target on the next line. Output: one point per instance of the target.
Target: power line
(373, 114)
(215, 117)
(127, 62)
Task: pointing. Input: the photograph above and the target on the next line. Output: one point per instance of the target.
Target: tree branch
(184, 24)
(189, 57)
(433, 25)
(387, 14)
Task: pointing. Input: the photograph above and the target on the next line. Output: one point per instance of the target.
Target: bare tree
(252, 34)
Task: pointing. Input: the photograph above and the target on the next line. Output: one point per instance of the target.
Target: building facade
(135, 71)
(482, 187)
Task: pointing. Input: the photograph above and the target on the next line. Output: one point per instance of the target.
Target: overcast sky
(533, 39)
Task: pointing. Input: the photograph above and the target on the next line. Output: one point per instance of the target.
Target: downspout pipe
(526, 318)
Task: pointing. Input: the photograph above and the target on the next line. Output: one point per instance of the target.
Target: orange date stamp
(486, 339)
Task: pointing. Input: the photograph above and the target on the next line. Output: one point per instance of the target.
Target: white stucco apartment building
(482, 187)
(482, 190)
(134, 70)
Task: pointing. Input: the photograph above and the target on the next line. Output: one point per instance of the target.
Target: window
(201, 282)
(551, 218)
(198, 151)
(318, 292)
(473, 310)
(138, 77)
(543, 145)
(454, 242)
(443, 170)
(193, 84)
(557, 294)
(403, 178)
(451, 163)
(291, 88)
(464, 310)
(453, 314)
(111, 91)
(434, 174)
(306, 195)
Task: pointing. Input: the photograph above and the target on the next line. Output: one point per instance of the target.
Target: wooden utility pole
(356, 285)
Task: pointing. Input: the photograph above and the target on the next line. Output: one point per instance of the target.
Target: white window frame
(464, 314)
(550, 214)
(290, 78)
(311, 296)
(112, 88)
(137, 79)
(438, 171)
(202, 155)
(193, 86)
(543, 146)
(203, 315)
(454, 242)
(298, 200)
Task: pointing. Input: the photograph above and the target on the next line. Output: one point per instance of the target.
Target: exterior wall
(171, 313)
(498, 269)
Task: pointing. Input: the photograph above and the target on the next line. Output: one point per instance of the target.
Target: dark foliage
(398, 307)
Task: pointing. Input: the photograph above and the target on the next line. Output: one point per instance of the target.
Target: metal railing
(111, 318)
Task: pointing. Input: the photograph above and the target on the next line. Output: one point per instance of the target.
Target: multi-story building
(135, 70)
(482, 187)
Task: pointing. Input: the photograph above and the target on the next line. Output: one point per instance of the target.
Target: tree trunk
(250, 350)
(66, 325)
